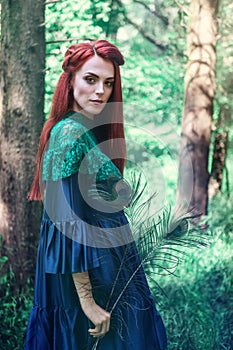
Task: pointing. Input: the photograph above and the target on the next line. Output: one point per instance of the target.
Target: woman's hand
(98, 316)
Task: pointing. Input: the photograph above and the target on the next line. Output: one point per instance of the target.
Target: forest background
(178, 73)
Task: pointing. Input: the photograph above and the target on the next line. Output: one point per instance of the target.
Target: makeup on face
(92, 86)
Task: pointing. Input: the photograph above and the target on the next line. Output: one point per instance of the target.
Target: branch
(146, 35)
(51, 2)
(154, 12)
(157, 43)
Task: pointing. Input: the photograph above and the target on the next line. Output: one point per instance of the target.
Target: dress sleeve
(68, 229)
(69, 143)
(64, 223)
(72, 148)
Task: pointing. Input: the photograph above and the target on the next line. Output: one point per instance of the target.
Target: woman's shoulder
(69, 141)
(67, 130)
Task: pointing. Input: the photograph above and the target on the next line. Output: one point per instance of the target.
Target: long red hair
(62, 102)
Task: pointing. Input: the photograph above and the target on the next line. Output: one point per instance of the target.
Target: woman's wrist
(83, 288)
(86, 302)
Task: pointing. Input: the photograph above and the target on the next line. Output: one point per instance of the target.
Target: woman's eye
(109, 83)
(90, 80)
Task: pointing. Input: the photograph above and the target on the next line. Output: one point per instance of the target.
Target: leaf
(3, 259)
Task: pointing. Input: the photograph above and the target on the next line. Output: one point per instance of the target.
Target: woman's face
(92, 86)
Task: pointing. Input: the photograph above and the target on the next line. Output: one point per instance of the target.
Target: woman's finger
(105, 327)
(101, 322)
(100, 330)
(96, 331)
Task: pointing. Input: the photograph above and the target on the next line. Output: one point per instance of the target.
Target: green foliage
(151, 85)
(198, 305)
(107, 15)
(223, 116)
(14, 311)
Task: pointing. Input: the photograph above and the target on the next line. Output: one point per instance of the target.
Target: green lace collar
(80, 118)
(72, 148)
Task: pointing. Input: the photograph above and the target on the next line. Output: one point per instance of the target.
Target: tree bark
(197, 115)
(220, 151)
(21, 119)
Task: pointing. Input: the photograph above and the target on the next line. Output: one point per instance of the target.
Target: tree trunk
(219, 152)
(21, 118)
(111, 28)
(218, 164)
(198, 108)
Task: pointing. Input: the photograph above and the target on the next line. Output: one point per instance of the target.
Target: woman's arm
(98, 316)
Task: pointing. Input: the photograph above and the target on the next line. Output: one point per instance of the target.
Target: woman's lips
(97, 102)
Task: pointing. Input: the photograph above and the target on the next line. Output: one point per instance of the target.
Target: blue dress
(84, 228)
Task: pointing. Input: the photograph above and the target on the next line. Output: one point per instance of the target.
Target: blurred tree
(222, 131)
(21, 119)
(198, 108)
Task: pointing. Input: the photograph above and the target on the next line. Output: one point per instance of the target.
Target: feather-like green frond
(162, 240)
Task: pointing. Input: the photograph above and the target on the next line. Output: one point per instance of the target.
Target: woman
(90, 290)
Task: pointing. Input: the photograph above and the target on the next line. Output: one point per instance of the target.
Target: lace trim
(72, 148)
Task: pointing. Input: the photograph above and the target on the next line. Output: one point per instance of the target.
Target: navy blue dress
(80, 231)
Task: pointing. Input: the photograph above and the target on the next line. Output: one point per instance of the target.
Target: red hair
(62, 102)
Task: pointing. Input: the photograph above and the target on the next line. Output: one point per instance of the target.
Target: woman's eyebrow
(95, 75)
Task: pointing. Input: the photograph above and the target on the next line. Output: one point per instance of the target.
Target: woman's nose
(100, 88)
